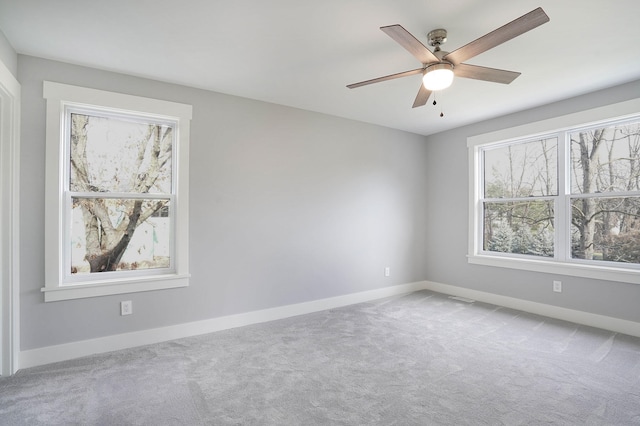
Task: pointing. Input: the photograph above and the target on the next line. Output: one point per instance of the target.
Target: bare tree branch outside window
(120, 177)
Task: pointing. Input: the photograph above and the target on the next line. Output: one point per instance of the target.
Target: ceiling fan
(439, 67)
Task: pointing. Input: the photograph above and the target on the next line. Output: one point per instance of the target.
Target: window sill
(120, 286)
(560, 268)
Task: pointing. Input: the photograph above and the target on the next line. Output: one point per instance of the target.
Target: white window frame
(58, 283)
(541, 129)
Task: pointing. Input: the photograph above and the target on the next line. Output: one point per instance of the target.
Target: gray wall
(287, 206)
(8, 55)
(447, 224)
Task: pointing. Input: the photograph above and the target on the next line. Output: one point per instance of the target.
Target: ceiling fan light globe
(438, 76)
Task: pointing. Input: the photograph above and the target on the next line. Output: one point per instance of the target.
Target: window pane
(524, 227)
(119, 234)
(526, 169)
(606, 159)
(606, 229)
(109, 154)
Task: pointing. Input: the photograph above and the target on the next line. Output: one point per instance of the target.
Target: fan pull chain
(435, 103)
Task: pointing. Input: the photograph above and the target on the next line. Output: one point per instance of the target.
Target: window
(562, 200)
(605, 192)
(520, 186)
(117, 193)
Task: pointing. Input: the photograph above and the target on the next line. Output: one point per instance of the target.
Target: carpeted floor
(419, 359)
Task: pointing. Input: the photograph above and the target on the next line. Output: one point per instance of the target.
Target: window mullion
(563, 203)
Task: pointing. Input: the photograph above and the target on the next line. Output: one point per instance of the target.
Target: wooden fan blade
(385, 78)
(484, 73)
(409, 42)
(422, 97)
(506, 32)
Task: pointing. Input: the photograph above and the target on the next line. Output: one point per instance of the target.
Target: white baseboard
(579, 317)
(63, 352)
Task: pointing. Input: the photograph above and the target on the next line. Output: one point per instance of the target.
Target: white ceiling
(303, 53)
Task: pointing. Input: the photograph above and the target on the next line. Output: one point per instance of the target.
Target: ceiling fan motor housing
(441, 54)
(438, 66)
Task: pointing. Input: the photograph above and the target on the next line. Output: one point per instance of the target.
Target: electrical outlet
(126, 307)
(557, 286)
(387, 271)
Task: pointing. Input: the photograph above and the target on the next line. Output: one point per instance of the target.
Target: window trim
(58, 97)
(595, 116)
